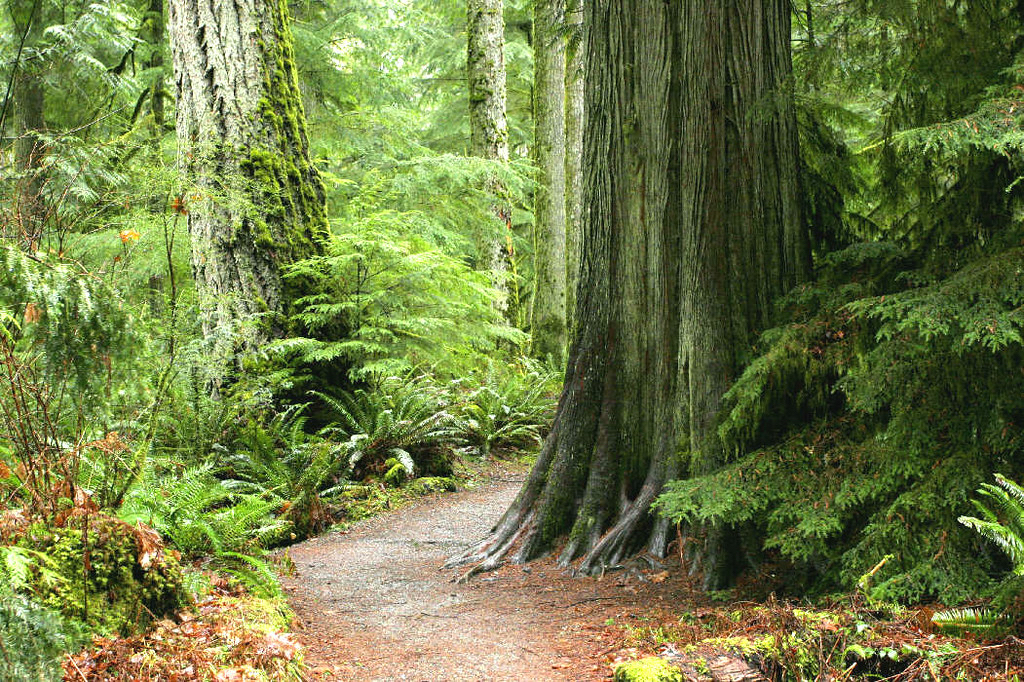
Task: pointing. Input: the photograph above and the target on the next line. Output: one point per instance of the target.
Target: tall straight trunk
(548, 324)
(258, 203)
(155, 37)
(488, 125)
(691, 228)
(30, 109)
(485, 54)
(29, 104)
(575, 122)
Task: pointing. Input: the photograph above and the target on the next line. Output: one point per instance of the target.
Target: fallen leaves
(220, 640)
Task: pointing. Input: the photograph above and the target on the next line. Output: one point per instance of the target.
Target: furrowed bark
(257, 203)
(575, 120)
(691, 229)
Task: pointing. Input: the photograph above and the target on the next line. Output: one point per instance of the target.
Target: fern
(510, 408)
(403, 418)
(1003, 519)
(389, 302)
(970, 621)
(33, 639)
(199, 514)
(279, 461)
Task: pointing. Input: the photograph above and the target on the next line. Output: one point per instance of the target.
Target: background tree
(258, 202)
(575, 123)
(488, 125)
(548, 317)
(693, 227)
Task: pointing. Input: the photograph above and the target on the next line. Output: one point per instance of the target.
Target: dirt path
(373, 603)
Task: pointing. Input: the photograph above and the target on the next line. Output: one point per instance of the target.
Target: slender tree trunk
(28, 154)
(575, 122)
(29, 104)
(155, 37)
(258, 203)
(488, 125)
(548, 320)
(692, 227)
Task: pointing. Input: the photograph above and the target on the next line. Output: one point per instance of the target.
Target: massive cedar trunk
(692, 227)
(488, 125)
(258, 201)
(575, 121)
(548, 319)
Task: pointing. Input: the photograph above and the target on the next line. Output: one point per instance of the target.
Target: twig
(71, 660)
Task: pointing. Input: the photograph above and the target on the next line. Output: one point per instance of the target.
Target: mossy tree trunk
(692, 227)
(257, 203)
(548, 321)
(575, 121)
(488, 124)
(153, 34)
(29, 104)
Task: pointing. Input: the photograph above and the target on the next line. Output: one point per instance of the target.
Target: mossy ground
(229, 636)
(103, 582)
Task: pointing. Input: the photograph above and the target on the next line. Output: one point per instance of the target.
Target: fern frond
(978, 622)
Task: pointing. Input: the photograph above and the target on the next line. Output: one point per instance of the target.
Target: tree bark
(29, 103)
(548, 319)
(692, 228)
(258, 203)
(488, 128)
(575, 121)
(155, 38)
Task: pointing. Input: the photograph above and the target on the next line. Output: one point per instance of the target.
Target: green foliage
(33, 639)
(862, 426)
(651, 669)
(387, 303)
(1002, 519)
(75, 320)
(200, 515)
(106, 581)
(278, 460)
(507, 407)
(405, 419)
(967, 622)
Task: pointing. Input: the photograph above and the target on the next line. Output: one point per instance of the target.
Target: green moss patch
(115, 579)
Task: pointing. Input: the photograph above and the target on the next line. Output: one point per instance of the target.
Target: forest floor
(373, 602)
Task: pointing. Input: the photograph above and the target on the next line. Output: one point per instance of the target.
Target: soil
(374, 603)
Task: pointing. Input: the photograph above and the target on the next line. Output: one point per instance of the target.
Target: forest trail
(373, 603)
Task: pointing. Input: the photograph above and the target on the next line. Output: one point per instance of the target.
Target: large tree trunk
(692, 227)
(575, 122)
(258, 203)
(488, 125)
(548, 320)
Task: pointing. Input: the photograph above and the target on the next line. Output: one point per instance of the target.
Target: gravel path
(374, 605)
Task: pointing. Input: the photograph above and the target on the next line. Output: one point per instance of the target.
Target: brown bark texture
(256, 202)
(691, 228)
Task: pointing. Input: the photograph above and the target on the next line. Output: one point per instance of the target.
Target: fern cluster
(33, 640)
